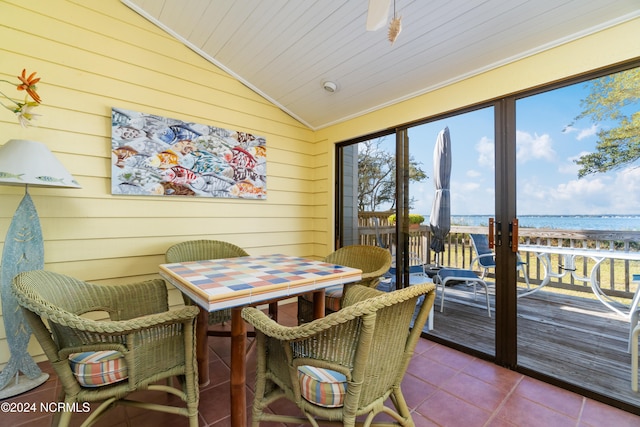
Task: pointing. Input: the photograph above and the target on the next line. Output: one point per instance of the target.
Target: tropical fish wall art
(154, 155)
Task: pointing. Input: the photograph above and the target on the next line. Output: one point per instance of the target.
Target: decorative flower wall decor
(154, 155)
(24, 109)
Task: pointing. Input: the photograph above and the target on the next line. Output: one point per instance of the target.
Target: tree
(377, 176)
(618, 146)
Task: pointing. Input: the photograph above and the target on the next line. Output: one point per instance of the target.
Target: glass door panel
(366, 178)
(577, 196)
(465, 319)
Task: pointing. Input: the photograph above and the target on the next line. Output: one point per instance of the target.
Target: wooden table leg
(318, 304)
(202, 347)
(273, 310)
(238, 369)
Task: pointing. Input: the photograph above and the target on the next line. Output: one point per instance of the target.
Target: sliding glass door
(467, 168)
(579, 212)
(388, 186)
(556, 171)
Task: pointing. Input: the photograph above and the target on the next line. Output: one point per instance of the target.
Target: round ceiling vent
(330, 86)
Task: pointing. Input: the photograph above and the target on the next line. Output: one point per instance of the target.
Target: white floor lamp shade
(27, 163)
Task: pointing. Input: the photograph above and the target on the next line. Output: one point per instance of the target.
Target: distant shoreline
(562, 222)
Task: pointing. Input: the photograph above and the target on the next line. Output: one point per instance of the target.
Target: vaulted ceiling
(285, 49)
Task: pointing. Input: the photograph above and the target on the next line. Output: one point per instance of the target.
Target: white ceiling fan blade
(378, 14)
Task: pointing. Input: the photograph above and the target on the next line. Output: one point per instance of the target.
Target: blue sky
(547, 179)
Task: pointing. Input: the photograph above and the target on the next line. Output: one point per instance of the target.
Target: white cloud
(571, 168)
(581, 189)
(531, 193)
(422, 194)
(484, 147)
(472, 173)
(624, 195)
(469, 197)
(596, 195)
(534, 147)
(464, 187)
(582, 133)
(583, 196)
(585, 133)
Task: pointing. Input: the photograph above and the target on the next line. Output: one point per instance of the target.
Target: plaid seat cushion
(322, 387)
(98, 368)
(332, 297)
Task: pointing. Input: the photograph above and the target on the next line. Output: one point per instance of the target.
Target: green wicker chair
(197, 250)
(342, 366)
(372, 260)
(143, 339)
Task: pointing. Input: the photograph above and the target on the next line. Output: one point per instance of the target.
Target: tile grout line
(494, 414)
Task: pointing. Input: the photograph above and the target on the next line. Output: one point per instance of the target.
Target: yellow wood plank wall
(92, 55)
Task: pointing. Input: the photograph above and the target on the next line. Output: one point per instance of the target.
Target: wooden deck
(574, 339)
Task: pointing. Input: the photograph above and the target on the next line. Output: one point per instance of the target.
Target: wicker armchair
(372, 260)
(197, 250)
(143, 339)
(344, 365)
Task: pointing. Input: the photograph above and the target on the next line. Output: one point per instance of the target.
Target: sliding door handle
(492, 241)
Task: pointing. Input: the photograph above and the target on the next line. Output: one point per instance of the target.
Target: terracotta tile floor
(443, 387)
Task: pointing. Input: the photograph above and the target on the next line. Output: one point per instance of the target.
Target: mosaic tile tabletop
(231, 282)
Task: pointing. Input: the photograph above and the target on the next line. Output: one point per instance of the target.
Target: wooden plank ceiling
(286, 49)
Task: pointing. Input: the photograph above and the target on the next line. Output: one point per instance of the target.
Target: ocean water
(563, 222)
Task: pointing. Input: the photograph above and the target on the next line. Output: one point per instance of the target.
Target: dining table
(567, 265)
(239, 282)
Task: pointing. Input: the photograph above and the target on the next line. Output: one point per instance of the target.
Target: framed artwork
(159, 156)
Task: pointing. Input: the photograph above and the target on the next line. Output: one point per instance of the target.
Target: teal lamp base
(23, 251)
(21, 384)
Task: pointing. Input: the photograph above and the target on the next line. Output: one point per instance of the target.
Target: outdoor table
(238, 282)
(569, 254)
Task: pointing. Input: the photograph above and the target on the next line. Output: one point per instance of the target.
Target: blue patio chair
(486, 258)
(416, 268)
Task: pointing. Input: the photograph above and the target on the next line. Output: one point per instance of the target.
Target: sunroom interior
(263, 69)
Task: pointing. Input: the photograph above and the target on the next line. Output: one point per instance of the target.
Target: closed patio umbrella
(440, 221)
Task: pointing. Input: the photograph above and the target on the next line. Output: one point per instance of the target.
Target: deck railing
(614, 276)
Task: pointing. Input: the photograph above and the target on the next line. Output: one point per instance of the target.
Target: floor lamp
(25, 163)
